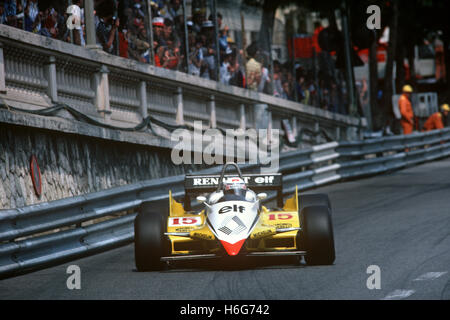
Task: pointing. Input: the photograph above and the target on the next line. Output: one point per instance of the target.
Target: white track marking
(430, 276)
(398, 294)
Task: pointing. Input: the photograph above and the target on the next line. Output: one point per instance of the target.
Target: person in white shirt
(224, 72)
(77, 21)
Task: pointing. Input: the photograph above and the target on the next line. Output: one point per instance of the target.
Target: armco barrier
(307, 168)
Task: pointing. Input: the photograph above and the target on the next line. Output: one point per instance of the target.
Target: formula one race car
(234, 223)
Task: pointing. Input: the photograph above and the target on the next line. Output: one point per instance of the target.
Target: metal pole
(186, 37)
(373, 78)
(71, 31)
(213, 4)
(150, 32)
(316, 101)
(271, 62)
(244, 44)
(348, 61)
(23, 16)
(293, 59)
(91, 40)
(116, 36)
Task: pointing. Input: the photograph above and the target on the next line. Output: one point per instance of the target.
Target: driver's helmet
(235, 186)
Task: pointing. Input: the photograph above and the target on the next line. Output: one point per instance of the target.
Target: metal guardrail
(46, 244)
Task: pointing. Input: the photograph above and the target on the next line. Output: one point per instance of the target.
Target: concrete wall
(73, 164)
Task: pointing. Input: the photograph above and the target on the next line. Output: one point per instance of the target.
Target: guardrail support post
(143, 98)
(270, 125)
(242, 123)
(294, 127)
(316, 130)
(352, 133)
(260, 116)
(338, 134)
(212, 110)
(50, 70)
(2, 71)
(179, 104)
(102, 93)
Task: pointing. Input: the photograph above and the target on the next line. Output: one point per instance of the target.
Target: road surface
(398, 222)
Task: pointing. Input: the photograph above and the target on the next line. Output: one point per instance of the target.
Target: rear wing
(198, 184)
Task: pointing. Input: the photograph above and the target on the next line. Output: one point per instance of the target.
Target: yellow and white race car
(233, 222)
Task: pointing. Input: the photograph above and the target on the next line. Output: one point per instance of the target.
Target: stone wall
(73, 164)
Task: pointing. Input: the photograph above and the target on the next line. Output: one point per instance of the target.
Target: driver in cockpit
(233, 189)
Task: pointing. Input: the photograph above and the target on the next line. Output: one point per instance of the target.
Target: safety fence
(45, 234)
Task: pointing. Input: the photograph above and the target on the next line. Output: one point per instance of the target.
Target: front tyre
(314, 199)
(149, 244)
(318, 235)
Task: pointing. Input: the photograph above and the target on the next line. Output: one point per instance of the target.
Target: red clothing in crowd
(315, 39)
(123, 45)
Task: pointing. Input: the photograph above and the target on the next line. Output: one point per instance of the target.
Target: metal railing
(45, 234)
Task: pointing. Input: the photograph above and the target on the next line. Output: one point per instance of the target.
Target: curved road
(399, 222)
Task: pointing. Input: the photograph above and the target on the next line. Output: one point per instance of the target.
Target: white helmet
(234, 186)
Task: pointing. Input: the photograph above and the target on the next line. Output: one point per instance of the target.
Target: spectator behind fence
(196, 55)
(49, 18)
(158, 25)
(198, 18)
(263, 85)
(253, 68)
(277, 79)
(238, 74)
(210, 52)
(226, 71)
(171, 44)
(301, 86)
(78, 15)
(50, 23)
(286, 94)
(9, 12)
(32, 17)
(171, 9)
(123, 42)
(138, 46)
(106, 28)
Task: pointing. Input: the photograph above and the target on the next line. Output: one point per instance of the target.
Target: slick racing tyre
(318, 199)
(308, 200)
(317, 235)
(149, 242)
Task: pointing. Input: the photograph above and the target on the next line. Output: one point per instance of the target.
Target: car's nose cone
(233, 248)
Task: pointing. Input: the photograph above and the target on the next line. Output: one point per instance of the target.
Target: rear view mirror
(261, 196)
(201, 199)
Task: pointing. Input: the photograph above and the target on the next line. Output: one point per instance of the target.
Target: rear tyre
(317, 235)
(149, 241)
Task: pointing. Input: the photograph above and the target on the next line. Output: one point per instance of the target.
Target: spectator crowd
(122, 28)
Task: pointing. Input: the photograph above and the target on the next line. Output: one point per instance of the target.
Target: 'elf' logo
(234, 208)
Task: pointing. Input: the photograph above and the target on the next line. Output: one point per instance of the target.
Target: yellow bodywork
(264, 236)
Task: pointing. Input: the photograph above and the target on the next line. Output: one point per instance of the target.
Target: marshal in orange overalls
(407, 113)
(434, 122)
